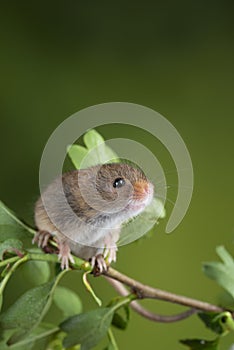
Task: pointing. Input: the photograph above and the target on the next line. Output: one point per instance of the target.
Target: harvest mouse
(84, 210)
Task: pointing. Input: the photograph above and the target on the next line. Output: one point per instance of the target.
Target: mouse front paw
(42, 238)
(65, 255)
(98, 264)
(110, 254)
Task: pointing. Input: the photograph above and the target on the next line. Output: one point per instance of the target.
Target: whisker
(166, 199)
(173, 186)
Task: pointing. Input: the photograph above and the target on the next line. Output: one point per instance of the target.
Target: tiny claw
(110, 254)
(64, 262)
(98, 264)
(65, 255)
(41, 238)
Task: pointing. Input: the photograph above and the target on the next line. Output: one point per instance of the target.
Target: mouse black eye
(119, 182)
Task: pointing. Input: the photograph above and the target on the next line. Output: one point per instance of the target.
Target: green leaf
(220, 323)
(7, 217)
(222, 272)
(143, 222)
(12, 227)
(27, 312)
(77, 154)
(201, 344)
(81, 159)
(121, 321)
(92, 139)
(225, 300)
(41, 334)
(36, 272)
(11, 246)
(67, 301)
(98, 148)
(87, 328)
(97, 152)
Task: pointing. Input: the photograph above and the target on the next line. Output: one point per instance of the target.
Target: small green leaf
(97, 152)
(121, 321)
(11, 246)
(77, 154)
(12, 227)
(201, 344)
(220, 323)
(67, 301)
(87, 328)
(222, 272)
(7, 217)
(143, 222)
(36, 272)
(92, 139)
(41, 334)
(96, 143)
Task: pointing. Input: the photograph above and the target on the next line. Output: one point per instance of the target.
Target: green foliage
(147, 219)
(220, 323)
(121, 321)
(35, 272)
(96, 151)
(121, 316)
(222, 272)
(67, 301)
(11, 227)
(11, 246)
(88, 328)
(22, 324)
(26, 312)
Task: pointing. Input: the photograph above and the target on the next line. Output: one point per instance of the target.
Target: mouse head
(123, 188)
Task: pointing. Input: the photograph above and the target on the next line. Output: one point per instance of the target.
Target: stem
(43, 257)
(140, 290)
(10, 272)
(146, 292)
(122, 290)
(89, 288)
(36, 337)
(19, 222)
(124, 300)
(9, 261)
(112, 339)
(161, 318)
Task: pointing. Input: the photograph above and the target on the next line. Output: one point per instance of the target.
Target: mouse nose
(143, 189)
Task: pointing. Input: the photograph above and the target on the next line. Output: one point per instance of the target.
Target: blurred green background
(175, 57)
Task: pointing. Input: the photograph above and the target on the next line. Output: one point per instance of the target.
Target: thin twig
(122, 290)
(143, 291)
(140, 290)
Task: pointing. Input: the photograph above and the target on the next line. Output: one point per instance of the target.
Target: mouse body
(85, 209)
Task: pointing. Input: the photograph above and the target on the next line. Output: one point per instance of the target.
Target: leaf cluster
(23, 323)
